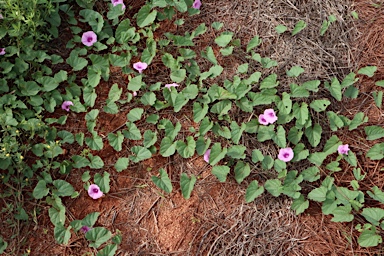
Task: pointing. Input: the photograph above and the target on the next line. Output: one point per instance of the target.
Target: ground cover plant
(268, 127)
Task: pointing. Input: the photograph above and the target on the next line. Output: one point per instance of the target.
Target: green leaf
(40, 190)
(178, 75)
(63, 188)
(135, 83)
(121, 164)
(76, 62)
(57, 216)
(209, 55)
(243, 68)
(242, 170)
(280, 29)
(124, 31)
(334, 88)
(318, 194)
(237, 131)
(103, 181)
(85, 177)
(199, 111)
(116, 140)
(342, 214)
(376, 152)
(279, 137)
(253, 191)
(220, 172)
(295, 71)
(114, 93)
(167, 147)
(267, 162)
(62, 234)
(152, 119)
(150, 138)
(377, 194)
(311, 174)
(224, 38)
(378, 97)
(257, 156)
(236, 152)
(3, 245)
(368, 71)
(217, 25)
(335, 121)
(314, 134)
(186, 150)
(320, 105)
(148, 99)
(89, 96)
(163, 182)
(300, 25)
(97, 236)
(145, 17)
(269, 82)
(274, 187)
(299, 205)
(135, 114)
(357, 120)
(217, 153)
(108, 250)
(369, 238)
(95, 143)
(202, 145)
(301, 113)
(187, 184)
(139, 154)
(255, 42)
(133, 133)
(294, 135)
(373, 215)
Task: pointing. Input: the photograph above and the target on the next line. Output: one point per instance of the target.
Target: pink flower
(116, 2)
(134, 94)
(2, 51)
(196, 4)
(85, 229)
(89, 38)
(171, 85)
(263, 120)
(343, 149)
(140, 66)
(285, 154)
(206, 155)
(66, 104)
(94, 191)
(270, 115)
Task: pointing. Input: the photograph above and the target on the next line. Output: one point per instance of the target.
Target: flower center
(89, 39)
(95, 190)
(286, 155)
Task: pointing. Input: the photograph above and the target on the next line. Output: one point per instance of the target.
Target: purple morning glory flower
(285, 154)
(2, 51)
(263, 120)
(140, 66)
(94, 191)
(89, 38)
(270, 115)
(343, 149)
(116, 2)
(196, 4)
(66, 104)
(171, 85)
(85, 229)
(206, 155)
